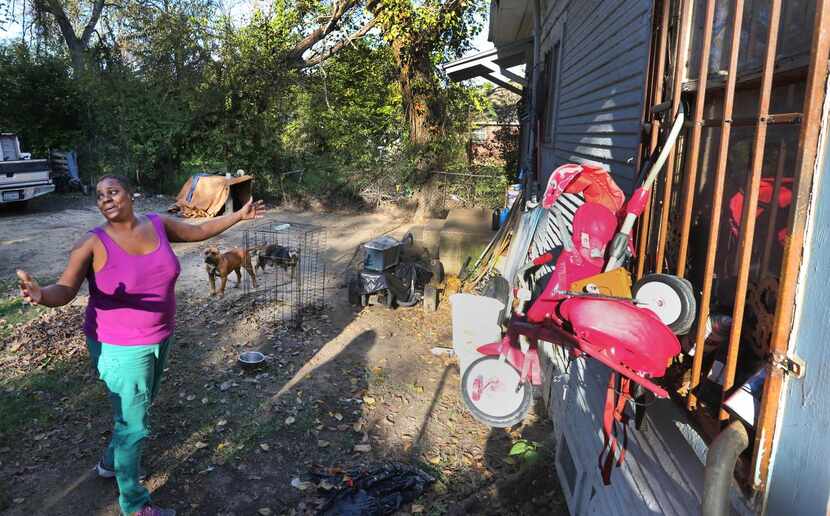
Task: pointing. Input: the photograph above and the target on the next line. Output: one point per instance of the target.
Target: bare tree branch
(97, 8)
(340, 8)
(319, 58)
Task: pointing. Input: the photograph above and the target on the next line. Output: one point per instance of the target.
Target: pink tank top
(132, 299)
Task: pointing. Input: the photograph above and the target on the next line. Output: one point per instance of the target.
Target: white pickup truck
(21, 178)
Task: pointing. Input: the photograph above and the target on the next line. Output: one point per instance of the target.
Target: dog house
(206, 195)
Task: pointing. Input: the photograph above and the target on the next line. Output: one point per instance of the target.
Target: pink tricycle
(633, 334)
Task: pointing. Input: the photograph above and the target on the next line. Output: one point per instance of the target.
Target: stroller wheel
(491, 390)
(671, 298)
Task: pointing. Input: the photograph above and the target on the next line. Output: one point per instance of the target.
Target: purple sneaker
(152, 510)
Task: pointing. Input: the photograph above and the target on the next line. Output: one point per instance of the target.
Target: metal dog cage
(290, 270)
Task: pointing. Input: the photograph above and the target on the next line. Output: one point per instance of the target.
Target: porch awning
(493, 65)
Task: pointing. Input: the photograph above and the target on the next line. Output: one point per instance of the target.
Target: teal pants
(132, 375)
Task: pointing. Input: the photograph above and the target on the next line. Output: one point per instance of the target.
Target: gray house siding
(598, 91)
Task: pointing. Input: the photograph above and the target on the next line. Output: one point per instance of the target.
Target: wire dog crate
(290, 270)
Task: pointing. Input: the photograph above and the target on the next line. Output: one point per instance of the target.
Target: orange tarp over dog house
(208, 195)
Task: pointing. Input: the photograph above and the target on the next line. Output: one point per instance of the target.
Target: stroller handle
(619, 245)
(667, 147)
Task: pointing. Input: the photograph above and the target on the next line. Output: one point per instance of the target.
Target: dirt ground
(352, 388)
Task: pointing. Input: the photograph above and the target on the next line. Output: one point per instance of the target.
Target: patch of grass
(14, 311)
(12, 308)
(27, 402)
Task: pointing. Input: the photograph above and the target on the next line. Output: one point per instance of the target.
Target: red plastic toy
(629, 337)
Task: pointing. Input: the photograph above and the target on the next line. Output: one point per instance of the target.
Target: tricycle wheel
(671, 298)
(493, 392)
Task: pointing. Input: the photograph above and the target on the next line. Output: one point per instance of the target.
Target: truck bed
(21, 180)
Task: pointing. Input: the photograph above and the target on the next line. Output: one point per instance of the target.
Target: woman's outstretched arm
(66, 288)
(180, 231)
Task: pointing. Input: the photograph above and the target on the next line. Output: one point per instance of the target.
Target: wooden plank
(618, 154)
(588, 30)
(583, 128)
(600, 116)
(618, 140)
(614, 68)
(606, 46)
(625, 79)
(624, 100)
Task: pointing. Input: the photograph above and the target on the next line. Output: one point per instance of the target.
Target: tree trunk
(416, 78)
(78, 55)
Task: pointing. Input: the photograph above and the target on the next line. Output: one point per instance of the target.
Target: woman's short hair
(122, 180)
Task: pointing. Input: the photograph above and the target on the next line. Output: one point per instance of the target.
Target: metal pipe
(645, 220)
(750, 208)
(720, 467)
(694, 142)
(814, 99)
(772, 119)
(717, 204)
(677, 92)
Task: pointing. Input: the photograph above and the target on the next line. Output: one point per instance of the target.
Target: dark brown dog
(223, 264)
(277, 256)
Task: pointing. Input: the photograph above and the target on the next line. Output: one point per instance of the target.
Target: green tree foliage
(37, 99)
(167, 88)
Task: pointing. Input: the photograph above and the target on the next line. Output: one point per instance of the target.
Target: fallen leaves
(363, 448)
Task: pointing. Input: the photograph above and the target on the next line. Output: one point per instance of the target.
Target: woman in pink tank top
(130, 317)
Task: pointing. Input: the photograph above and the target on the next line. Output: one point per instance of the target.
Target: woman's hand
(29, 288)
(252, 210)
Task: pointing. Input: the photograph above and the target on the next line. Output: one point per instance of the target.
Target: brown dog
(277, 256)
(223, 264)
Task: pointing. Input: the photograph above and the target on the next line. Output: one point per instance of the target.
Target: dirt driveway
(351, 388)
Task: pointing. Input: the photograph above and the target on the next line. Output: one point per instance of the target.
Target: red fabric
(598, 187)
(594, 183)
(614, 413)
(558, 182)
(736, 204)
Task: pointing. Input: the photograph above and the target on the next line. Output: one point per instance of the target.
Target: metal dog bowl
(251, 360)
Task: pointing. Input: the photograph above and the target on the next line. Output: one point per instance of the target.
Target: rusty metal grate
(755, 106)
